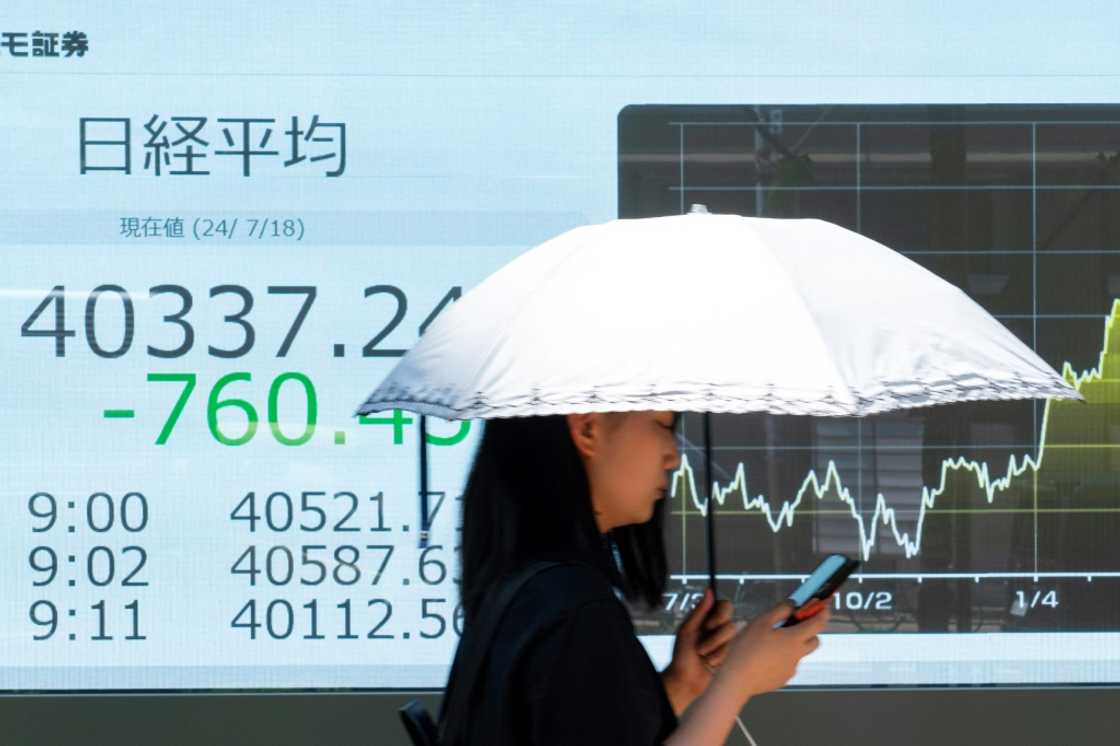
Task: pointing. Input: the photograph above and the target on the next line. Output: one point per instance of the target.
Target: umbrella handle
(711, 512)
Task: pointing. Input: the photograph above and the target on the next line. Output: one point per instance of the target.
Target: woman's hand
(763, 657)
(700, 648)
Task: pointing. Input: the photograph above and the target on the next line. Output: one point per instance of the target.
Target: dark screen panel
(1017, 206)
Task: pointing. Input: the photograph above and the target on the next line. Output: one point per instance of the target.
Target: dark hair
(528, 495)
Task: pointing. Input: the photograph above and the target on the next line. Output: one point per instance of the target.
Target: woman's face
(629, 457)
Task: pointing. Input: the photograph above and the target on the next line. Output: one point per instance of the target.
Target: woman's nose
(674, 458)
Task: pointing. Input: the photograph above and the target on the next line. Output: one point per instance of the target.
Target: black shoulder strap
(472, 653)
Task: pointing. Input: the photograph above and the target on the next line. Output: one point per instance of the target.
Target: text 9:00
(103, 511)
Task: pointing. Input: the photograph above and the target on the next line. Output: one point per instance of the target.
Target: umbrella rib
(515, 317)
(820, 338)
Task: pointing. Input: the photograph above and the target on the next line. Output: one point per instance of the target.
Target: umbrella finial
(698, 209)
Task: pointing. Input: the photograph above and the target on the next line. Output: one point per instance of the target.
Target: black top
(567, 668)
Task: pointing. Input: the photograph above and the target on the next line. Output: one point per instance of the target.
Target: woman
(566, 666)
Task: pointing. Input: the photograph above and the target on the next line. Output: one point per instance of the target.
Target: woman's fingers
(720, 630)
(778, 613)
(816, 623)
(717, 657)
(810, 628)
(716, 639)
(719, 616)
(810, 625)
(691, 624)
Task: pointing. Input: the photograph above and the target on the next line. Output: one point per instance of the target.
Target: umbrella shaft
(423, 481)
(711, 513)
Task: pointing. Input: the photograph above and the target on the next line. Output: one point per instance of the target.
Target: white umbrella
(710, 313)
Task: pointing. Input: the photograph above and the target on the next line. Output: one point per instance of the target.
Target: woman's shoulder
(575, 575)
(564, 589)
(566, 644)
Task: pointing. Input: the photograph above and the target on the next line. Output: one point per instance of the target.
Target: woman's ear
(584, 429)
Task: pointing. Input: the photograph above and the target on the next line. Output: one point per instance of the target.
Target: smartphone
(810, 597)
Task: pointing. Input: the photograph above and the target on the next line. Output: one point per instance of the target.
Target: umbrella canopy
(711, 313)
(708, 313)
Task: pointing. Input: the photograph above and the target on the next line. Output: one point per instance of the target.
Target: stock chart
(995, 519)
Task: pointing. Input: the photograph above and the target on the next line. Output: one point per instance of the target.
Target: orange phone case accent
(813, 607)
